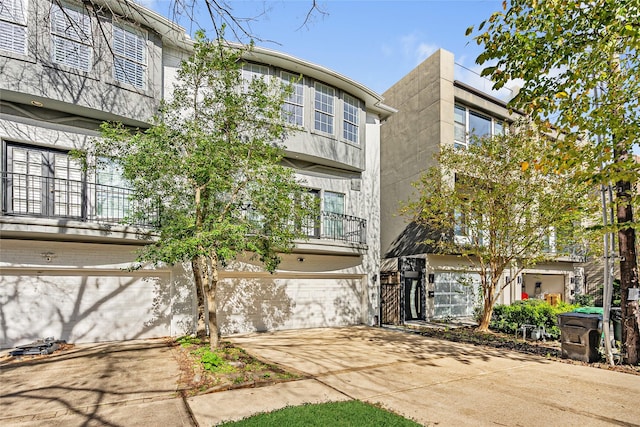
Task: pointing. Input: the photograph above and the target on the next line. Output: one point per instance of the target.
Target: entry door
(413, 298)
(43, 182)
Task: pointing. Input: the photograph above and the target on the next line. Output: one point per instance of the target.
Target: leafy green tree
(496, 205)
(580, 67)
(211, 163)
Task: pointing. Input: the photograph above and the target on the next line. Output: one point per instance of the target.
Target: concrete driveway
(449, 384)
(130, 383)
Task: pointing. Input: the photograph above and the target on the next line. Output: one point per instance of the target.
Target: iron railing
(335, 226)
(47, 197)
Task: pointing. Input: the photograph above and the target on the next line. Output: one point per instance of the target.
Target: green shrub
(584, 300)
(508, 318)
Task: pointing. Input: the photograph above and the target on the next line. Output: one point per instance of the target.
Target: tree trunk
(487, 308)
(628, 275)
(212, 305)
(199, 276)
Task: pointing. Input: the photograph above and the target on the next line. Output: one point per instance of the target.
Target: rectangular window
(251, 72)
(43, 182)
(470, 125)
(324, 100)
(460, 126)
(130, 57)
(293, 107)
(70, 38)
(112, 201)
(334, 218)
(479, 125)
(13, 26)
(311, 224)
(351, 116)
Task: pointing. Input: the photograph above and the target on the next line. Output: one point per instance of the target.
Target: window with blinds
(130, 57)
(71, 42)
(13, 26)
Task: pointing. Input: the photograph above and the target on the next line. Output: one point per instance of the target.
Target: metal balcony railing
(48, 197)
(334, 226)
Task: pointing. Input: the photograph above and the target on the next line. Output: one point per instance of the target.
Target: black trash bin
(580, 336)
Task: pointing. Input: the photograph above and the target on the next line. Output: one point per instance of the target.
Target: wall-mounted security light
(48, 256)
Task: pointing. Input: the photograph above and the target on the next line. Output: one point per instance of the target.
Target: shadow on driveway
(110, 384)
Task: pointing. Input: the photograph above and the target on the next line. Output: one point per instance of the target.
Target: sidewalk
(431, 381)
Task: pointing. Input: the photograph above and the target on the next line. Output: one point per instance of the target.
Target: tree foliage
(211, 163)
(579, 65)
(498, 207)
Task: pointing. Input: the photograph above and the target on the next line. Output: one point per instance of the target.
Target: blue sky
(375, 42)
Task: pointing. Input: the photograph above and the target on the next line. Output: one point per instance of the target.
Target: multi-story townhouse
(65, 255)
(436, 110)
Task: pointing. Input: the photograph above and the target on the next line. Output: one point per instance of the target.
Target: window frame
(295, 100)
(465, 124)
(80, 43)
(351, 119)
(248, 74)
(321, 96)
(11, 21)
(140, 37)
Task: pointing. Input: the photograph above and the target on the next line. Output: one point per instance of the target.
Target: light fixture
(37, 103)
(48, 256)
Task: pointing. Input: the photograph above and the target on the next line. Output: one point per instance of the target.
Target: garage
(265, 302)
(455, 293)
(88, 307)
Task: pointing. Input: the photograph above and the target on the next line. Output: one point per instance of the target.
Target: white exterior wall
(86, 292)
(83, 290)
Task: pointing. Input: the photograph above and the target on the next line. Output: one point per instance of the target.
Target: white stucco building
(64, 252)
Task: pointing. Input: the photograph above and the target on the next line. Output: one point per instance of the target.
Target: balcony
(48, 197)
(334, 226)
(32, 196)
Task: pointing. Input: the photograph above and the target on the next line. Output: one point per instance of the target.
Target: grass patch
(351, 413)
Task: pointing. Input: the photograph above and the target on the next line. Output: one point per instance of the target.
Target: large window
(13, 26)
(351, 116)
(293, 107)
(479, 125)
(42, 182)
(130, 57)
(70, 38)
(324, 100)
(469, 124)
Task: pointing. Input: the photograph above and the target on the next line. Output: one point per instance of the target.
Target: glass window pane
(293, 107)
(324, 98)
(479, 125)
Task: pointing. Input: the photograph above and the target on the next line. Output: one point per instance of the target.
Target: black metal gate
(390, 298)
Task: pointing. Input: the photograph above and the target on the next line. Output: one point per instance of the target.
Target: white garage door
(83, 308)
(263, 304)
(455, 294)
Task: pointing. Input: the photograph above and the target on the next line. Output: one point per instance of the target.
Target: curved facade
(64, 251)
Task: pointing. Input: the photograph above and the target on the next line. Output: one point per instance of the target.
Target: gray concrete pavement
(449, 384)
(431, 381)
(130, 383)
